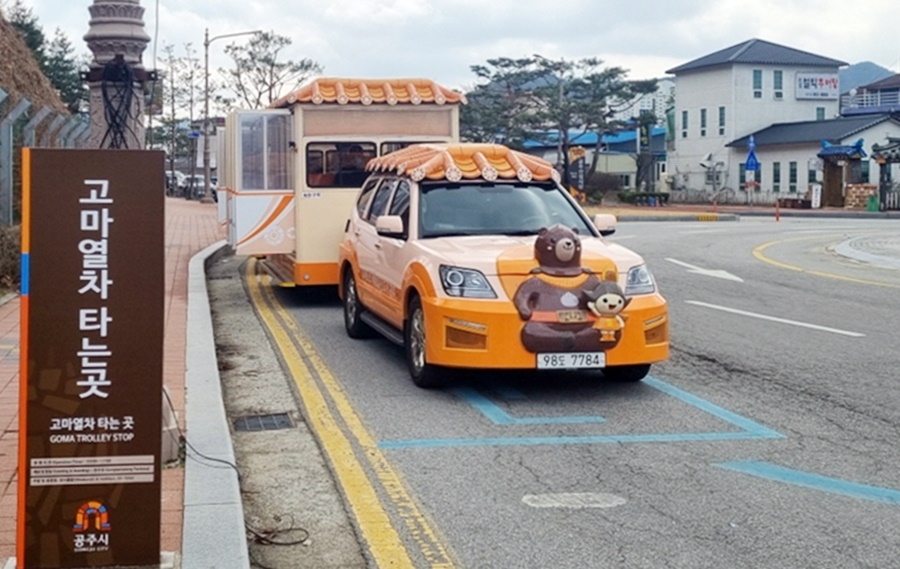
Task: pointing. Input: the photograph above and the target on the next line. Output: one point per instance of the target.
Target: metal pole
(6, 160)
(47, 137)
(207, 192)
(29, 131)
(207, 197)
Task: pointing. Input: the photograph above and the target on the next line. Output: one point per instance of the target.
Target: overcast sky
(441, 39)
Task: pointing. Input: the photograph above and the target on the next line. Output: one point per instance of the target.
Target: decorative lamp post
(207, 194)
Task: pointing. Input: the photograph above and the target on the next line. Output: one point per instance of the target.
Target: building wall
(746, 110)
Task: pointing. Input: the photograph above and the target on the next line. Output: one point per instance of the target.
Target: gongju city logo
(92, 528)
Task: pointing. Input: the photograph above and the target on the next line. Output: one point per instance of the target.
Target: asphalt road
(769, 439)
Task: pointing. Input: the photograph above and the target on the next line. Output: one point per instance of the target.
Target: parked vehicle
(175, 183)
(474, 256)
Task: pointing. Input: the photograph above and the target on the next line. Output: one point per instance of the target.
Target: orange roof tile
(370, 92)
(469, 161)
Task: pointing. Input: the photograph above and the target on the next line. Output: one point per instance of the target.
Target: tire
(629, 374)
(423, 374)
(356, 328)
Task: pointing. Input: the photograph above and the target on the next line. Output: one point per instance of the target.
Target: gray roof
(759, 52)
(834, 131)
(891, 82)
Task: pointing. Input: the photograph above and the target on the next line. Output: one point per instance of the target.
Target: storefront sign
(824, 86)
(93, 268)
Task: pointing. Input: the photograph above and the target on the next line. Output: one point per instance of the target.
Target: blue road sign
(752, 163)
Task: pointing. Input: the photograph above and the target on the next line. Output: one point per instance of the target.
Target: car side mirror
(605, 223)
(389, 225)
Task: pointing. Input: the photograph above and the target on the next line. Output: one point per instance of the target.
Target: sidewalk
(190, 228)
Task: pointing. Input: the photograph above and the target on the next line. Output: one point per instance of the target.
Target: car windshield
(489, 208)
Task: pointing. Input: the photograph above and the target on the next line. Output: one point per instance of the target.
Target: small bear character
(607, 301)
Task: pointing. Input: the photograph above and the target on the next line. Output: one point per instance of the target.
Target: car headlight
(639, 281)
(467, 283)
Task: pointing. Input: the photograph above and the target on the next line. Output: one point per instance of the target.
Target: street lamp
(207, 194)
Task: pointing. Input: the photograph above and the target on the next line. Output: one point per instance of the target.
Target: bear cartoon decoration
(553, 302)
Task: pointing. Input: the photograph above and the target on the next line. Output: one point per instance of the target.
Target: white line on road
(719, 274)
(776, 319)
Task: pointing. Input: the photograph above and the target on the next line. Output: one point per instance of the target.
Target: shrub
(10, 258)
(644, 198)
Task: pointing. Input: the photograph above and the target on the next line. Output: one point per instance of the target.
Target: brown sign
(93, 256)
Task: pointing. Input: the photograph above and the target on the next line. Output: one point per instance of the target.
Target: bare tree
(258, 77)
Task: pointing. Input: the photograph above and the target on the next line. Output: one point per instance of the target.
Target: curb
(680, 217)
(213, 531)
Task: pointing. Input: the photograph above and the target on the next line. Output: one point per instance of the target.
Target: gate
(886, 155)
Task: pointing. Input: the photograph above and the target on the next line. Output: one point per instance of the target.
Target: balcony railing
(871, 99)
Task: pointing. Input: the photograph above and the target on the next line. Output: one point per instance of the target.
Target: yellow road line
(385, 544)
(758, 253)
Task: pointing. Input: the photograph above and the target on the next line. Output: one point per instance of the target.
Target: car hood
(496, 255)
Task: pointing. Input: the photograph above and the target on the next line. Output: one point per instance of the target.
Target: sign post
(93, 269)
(751, 166)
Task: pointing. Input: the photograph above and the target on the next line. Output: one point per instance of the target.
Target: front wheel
(355, 327)
(630, 373)
(423, 374)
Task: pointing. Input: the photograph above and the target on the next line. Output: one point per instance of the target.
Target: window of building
(792, 177)
(684, 124)
(820, 113)
(757, 83)
(777, 83)
(721, 121)
(776, 176)
(864, 170)
(702, 122)
(811, 176)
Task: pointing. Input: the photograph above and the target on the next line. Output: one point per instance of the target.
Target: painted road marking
(718, 273)
(759, 253)
(498, 416)
(320, 392)
(748, 430)
(813, 481)
(776, 319)
(573, 501)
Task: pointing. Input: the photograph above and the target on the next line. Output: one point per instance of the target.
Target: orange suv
(474, 256)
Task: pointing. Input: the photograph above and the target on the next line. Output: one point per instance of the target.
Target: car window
(380, 200)
(400, 205)
(365, 196)
(490, 208)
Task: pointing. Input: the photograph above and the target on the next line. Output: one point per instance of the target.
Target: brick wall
(858, 195)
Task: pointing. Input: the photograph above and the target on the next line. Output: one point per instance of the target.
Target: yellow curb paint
(384, 541)
(758, 253)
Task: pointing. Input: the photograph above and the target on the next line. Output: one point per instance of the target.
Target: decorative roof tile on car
(455, 162)
(330, 90)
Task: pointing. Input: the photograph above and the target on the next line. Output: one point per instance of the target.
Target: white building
(656, 103)
(776, 93)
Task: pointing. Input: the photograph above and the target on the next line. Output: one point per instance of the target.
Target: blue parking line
(813, 481)
(714, 410)
(749, 430)
(500, 417)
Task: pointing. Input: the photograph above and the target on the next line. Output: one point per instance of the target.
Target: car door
(372, 290)
(391, 254)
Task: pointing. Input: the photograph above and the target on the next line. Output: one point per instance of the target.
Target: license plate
(572, 360)
(572, 316)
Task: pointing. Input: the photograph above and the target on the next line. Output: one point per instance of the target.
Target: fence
(23, 125)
